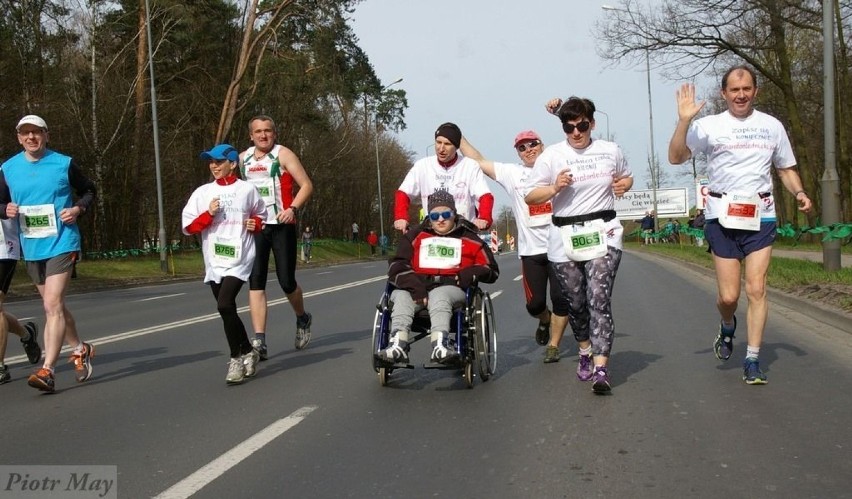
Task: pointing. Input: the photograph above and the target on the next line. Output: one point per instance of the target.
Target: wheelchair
(472, 326)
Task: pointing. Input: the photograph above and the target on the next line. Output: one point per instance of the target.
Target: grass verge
(796, 276)
(93, 275)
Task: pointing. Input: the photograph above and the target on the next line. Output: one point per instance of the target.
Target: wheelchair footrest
(391, 365)
(437, 365)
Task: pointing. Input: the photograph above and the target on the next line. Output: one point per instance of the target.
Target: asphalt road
(317, 423)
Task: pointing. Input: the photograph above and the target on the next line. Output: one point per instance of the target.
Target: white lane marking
(496, 294)
(216, 468)
(160, 297)
(518, 278)
(201, 318)
(323, 273)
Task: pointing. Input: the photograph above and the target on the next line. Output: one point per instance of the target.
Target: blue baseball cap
(220, 152)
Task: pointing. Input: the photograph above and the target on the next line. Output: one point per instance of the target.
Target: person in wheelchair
(433, 265)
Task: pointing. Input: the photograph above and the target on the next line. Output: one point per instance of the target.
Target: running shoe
(752, 374)
(236, 372)
(250, 361)
(31, 345)
(303, 331)
(83, 362)
(42, 379)
(4, 374)
(584, 368)
(723, 347)
(551, 355)
(600, 381)
(260, 347)
(542, 333)
(396, 352)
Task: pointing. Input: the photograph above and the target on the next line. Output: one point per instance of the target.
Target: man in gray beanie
(450, 171)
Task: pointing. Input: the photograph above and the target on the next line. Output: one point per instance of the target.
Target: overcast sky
(490, 65)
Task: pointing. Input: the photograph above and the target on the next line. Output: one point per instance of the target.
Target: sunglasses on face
(528, 145)
(435, 215)
(582, 126)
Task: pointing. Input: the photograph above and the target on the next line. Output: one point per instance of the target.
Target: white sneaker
(260, 347)
(396, 352)
(250, 361)
(236, 372)
(303, 332)
(440, 352)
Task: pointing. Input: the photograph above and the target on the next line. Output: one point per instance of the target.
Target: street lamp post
(655, 176)
(607, 122)
(830, 182)
(161, 233)
(654, 173)
(378, 168)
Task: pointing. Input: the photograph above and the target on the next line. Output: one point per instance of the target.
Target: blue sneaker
(752, 374)
(723, 347)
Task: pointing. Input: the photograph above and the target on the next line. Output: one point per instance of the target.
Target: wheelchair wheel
(377, 326)
(486, 336)
(380, 324)
(468, 374)
(383, 375)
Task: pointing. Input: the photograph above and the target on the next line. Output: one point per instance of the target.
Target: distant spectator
(373, 241)
(698, 223)
(383, 243)
(648, 227)
(307, 243)
(354, 232)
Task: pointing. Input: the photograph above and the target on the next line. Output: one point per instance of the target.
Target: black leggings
(226, 302)
(280, 239)
(536, 273)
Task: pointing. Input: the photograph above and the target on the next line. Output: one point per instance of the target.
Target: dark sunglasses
(583, 126)
(435, 215)
(528, 145)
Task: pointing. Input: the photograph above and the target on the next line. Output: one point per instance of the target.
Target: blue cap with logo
(220, 152)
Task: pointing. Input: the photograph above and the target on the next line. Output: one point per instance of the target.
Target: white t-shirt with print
(10, 243)
(533, 222)
(594, 169)
(238, 202)
(740, 154)
(464, 180)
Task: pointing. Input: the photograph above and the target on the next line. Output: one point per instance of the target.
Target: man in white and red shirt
(450, 171)
(533, 224)
(275, 170)
(742, 146)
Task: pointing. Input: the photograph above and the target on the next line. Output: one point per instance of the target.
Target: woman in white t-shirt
(226, 212)
(583, 177)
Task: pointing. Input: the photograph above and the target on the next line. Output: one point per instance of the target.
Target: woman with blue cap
(226, 212)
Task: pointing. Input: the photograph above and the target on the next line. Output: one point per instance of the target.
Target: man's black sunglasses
(583, 126)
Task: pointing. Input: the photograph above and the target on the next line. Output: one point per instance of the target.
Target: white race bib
(225, 251)
(440, 253)
(740, 211)
(37, 221)
(266, 188)
(540, 214)
(584, 242)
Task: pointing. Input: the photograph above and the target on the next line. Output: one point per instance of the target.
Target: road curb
(832, 316)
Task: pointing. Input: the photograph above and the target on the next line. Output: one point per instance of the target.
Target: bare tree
(777, 38)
